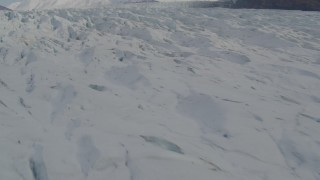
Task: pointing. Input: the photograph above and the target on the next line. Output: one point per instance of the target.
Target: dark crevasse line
(37, 165)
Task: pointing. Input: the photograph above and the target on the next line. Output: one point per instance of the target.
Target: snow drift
(146, 93)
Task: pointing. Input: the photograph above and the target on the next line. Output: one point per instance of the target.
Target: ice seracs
(136, 93)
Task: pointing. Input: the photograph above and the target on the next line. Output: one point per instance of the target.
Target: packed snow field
(136, 93)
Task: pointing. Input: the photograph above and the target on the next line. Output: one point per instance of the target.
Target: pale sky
(7, 2)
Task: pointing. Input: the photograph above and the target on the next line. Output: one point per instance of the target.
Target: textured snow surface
(141, 93)
(58, 4)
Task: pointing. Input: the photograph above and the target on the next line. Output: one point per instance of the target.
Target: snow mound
(148, 93)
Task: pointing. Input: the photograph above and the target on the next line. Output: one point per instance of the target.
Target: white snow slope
(58, 4)
(138, 93)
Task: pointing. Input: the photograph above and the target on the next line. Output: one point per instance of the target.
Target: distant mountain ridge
(306, 5)
(3, 8)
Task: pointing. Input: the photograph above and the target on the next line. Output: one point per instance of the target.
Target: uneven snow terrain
(138, 93)
(58, 4)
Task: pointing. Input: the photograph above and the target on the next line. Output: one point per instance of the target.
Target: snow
(58, 4)
(139, 92)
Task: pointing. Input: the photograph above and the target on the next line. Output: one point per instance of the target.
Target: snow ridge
(3, 8)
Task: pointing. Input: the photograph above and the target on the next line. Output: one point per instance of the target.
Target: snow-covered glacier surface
(64, 4)
(138, 93)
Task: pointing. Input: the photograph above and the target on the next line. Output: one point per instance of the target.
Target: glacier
(65, 4)
(138, 92)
